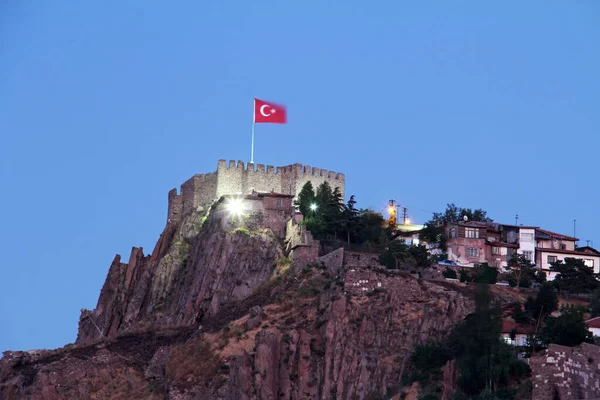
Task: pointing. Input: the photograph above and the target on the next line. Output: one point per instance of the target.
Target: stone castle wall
(235, 178)
(566, 373)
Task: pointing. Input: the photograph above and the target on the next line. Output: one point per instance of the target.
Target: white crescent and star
(262, 110)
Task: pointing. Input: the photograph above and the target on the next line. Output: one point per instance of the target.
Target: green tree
(574, 276)
(540, 277)
(430, 355)
(483, 273)
(568, 329)
(484, 361)
(350, 219)
(450, 273)
(306, 198)
(595, 303)
(520, 316)
(454, 214)
(522, 269)
(371, 228)
(397, 256)
(538, 310)
(544, 304)
(326, 221)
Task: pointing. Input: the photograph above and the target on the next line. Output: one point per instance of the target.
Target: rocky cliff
(218, 311)
(196, 266)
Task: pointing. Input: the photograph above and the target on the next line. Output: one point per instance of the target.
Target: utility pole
(404, 215)
(517, 220)
(392, 210)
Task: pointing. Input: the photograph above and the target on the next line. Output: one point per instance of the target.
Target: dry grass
(192, 362)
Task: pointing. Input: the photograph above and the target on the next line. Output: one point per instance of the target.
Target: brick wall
(566, 373)
(360, 280)
(355, 259)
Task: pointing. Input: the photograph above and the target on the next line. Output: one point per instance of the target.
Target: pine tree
(306, 197)
(574, 276)
(350, 218)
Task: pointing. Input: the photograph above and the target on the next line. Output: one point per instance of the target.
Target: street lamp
(313, 207)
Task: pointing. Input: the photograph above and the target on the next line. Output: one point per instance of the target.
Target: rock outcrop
(218, 311)
(195, 267)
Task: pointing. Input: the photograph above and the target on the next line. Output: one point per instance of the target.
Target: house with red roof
(471, 243)
(593, 325)
(552, 247)
(514, 334)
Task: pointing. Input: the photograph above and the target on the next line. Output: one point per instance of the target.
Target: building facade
(471, 243)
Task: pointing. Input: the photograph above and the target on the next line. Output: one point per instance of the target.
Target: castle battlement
(236, 178)
(297, 169)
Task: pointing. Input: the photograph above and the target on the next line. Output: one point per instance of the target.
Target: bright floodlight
(313, 207)
(235, 207)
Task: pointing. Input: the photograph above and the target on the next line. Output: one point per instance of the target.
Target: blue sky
(104, 107)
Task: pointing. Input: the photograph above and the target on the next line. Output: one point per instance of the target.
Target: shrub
(430, 356)
(191, 362)
(449, 273)
(224, 368)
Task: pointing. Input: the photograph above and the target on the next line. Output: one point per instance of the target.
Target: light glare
(235, 207)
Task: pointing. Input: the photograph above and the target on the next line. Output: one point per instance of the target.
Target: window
(528, 254)
(280, 203)
(563, 246)
(472, 233)
(472, 252)
(496, 251)
(552, 259)
(589, 263)
(526, 237)
(452, 233)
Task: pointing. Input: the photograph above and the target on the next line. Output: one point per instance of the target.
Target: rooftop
(520, 226)
(593, 322)
(574, 252)
(542, 232)
(409, 227)
(508, 326)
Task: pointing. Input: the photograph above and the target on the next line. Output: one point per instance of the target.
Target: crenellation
(235, 178)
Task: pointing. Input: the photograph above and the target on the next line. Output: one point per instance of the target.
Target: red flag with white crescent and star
(266, 112)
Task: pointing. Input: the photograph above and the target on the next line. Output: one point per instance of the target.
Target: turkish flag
(265, 112)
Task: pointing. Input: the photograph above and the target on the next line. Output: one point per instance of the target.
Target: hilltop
(226, 308)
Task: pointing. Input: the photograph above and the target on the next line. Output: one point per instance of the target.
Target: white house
(509, 328)
(593, 325)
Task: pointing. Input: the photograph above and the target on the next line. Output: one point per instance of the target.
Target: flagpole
(253, 123)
